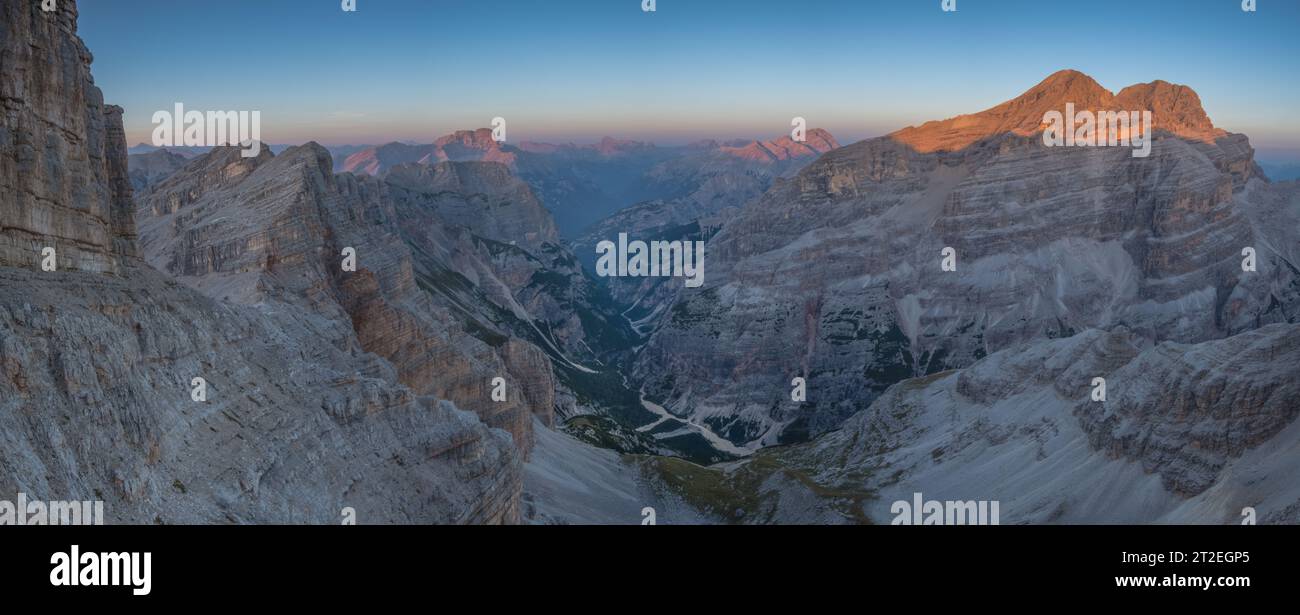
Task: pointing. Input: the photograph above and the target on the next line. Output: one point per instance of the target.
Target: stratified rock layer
(276, 228)
(63, 176)
(1186, 433)
(294, 419)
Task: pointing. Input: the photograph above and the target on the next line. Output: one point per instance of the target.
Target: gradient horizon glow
(413, 70)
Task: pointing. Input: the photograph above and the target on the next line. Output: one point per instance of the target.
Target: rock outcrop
(275, 229)
(63, 176)
(293, 420)
(499, 206)
(1187, 412)
(1186, 434)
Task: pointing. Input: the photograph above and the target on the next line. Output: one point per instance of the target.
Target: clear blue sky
(581, 69)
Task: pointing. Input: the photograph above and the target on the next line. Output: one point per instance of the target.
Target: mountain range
(582, 184)
(1071, 264)
(418, 332)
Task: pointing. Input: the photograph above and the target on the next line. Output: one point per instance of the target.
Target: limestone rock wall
(63, 177)
(298, 418)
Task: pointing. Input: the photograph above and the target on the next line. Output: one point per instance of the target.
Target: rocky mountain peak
(478, 139)
(464, 145)
(376, 159)
(610, 146)
(312, 156)
(1174, 108)
(1055, 240)
(1067, 84)
(461, 145)
(817, 141)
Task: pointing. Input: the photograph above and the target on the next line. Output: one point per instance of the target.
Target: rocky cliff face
(274, 229)
(298, 418)
(499, 206)
(299, 421)
(1186, 434)
(63, 170)
(836, 276)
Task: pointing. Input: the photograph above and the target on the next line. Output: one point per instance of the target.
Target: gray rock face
(298, 423)
(460, 277)
(483, 197)
(1186, 412)
(835, 275)
(97, 358)
(63, 177)
(273, 229)
(1187, 433)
